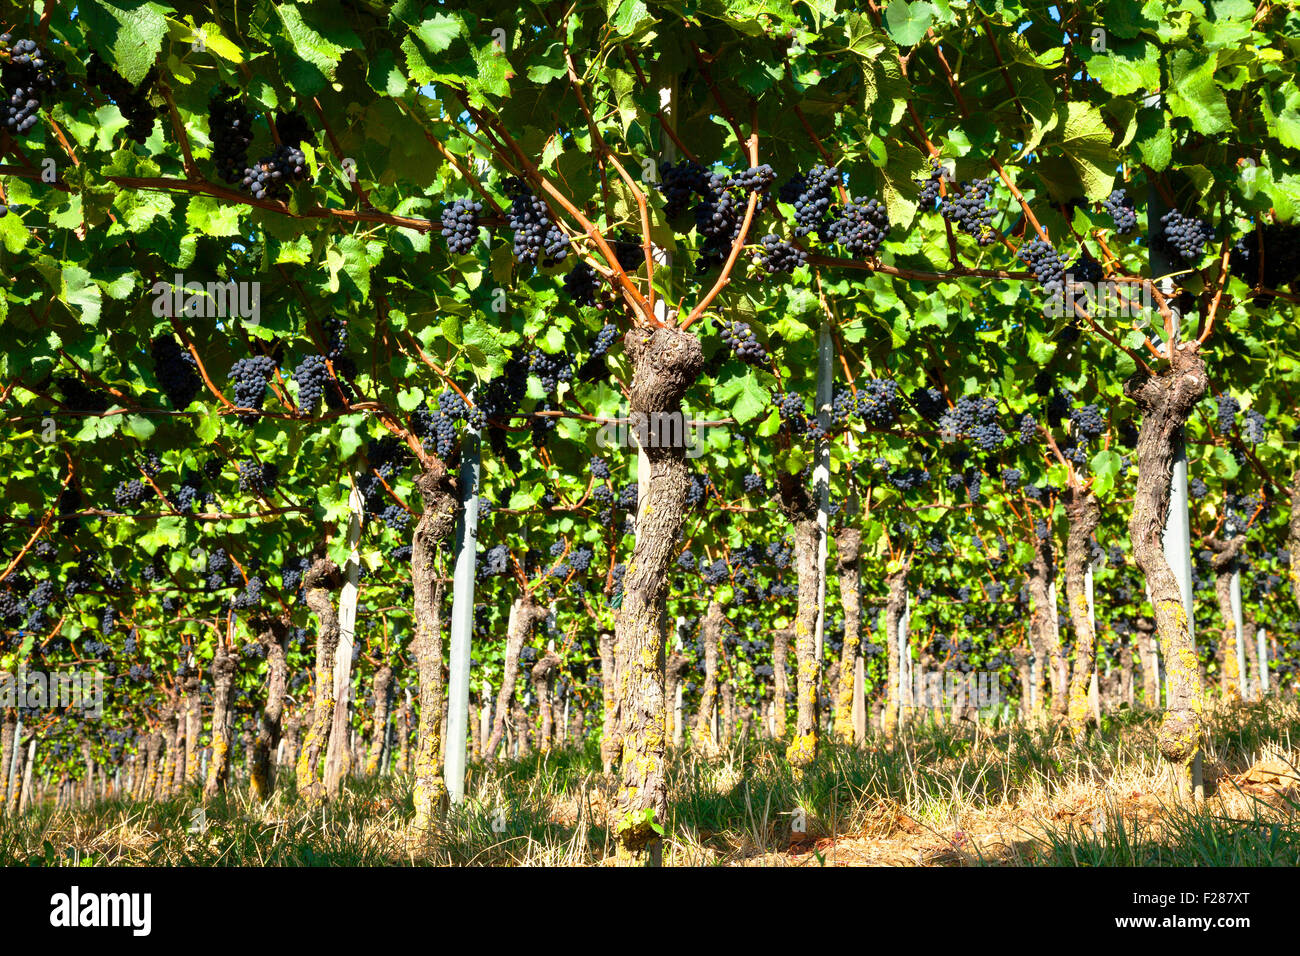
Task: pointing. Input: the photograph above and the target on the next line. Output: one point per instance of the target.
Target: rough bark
(807, 534)
(525, 615)
(223, 679)
(543, 680)
(895, 603)
(167, 765)
(1083, 514)
(178, 744)
(8, 729)
(1226, 561)
(702, 741)
(1020, 655)
(848, 545)
(321, 580)
(1293, 537)
(611, 750)
(403, 736)
(677, 668)
(380, 692)
(1146, 629)
(780, 680)
(665, 362)
(1044, 633)
(272, 635)
(1165, 401)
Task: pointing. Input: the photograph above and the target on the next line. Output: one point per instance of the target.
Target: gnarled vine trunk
(895, 604)
(1293, 537)
(272, 634)
(677, 668)
(781, 639)
(610, 748)
(193, 729)
(223, 679)
(1083, 514)
(525, 614)
(428, 790)
(848, 546)
(799, 507)
(321, 579)
(665, 362)
(1043, 631)
(1225, 562)
(543, 681)
(702, 741)
(8, 730)
(380, 691)
(1165, 401)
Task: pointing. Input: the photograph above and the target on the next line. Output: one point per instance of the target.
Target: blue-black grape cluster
(550, 369)
(1253, 426)
(80, 398)
(599, 468)
(257, 478)
(811, 194)
(594, 366)
(27, 74)
(716, 572)
(1011, 478)
(496, 561)
(1227, 414)
(908, 479)
(1028, 428)
(131, 101)
(791, 408)
(1088, 421)
(582, 285)
(460, 226)
(720, 213)
(877, 402)
(396, 517)
(503, 394)
(1184, 235)
(1084, 269)
(976, 419)
(1045, 264)
(753, 483)
(175, 370)
(129, 495)
(740, 338)
(312, 375)
(230, 125)
(680, 182)
(777, 255)
(969, 210)
(860, 226)
(928, 197)
(929, 403)
(1120, 207)
(270, 176)
(536, 236)
(1280, 243)
(250, 376)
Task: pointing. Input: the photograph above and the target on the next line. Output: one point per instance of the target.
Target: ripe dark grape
(1254, 426)
(753, 483)
(78, 398)
(1121, 210)
(1084, 269)
(1228, 408)
(811, 195)
(929, 403)
(1281, 247)
(1184, 235)
(1011, 478)
(550, 369)
(536, 236)
(599, 468)
(741, 339)
(908, 479)
(929, 194)
(1088, 421)
(680, 182)
(175, 370)
(969, 210)
(27, 74)
(230, 125)
(257, 478)
(250, 376)
(132, 101)
(460, 226)
(860, 226)
(130, 494)
(581, 285)
(779, 255)
(976, 419)
(1045, 264)
(311, 376)
(270, 176)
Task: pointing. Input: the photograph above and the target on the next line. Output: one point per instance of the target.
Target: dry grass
(937, 796)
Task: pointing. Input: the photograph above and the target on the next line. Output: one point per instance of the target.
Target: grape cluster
(1253, 426)
(175, 370)
(969, 210)
(753, 483)
(908, 479)
(250, 376)
(1088, 421)
(231, 127)
(79, 398)
(740, 338)
(929, 194)
(599, 468)
(1084, 269)
(257, 478)
(1011, 478)
(1228, 408)
(129, 495)
(977, 419)
(929, 403)
(1184, 235)
(1281, 256)
(680, 182)
(1122, 213)
(1028, 428)
(270, 176)
(132, 101)
(460, 226)
(536, 236)
(27, 73)
(551, 370)
(860, 227)
(779, 255)
(1045, 264)
(581, 285)
(312, 374)
(791, 407)
(811, 195)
